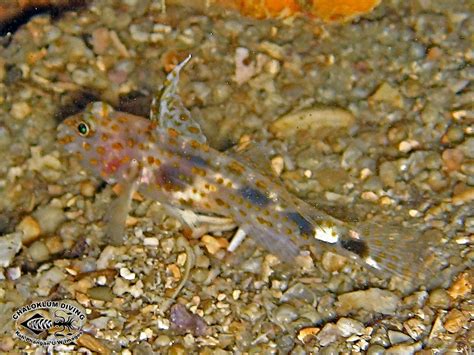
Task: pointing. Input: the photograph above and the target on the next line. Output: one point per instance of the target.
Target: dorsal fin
(169, 111)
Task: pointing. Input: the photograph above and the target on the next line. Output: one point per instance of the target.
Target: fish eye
(83, 129)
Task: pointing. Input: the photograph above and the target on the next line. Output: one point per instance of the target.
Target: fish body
(167, 159)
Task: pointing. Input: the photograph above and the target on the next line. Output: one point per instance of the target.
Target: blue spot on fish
(304, 226)
(254, 196)
(197, 161)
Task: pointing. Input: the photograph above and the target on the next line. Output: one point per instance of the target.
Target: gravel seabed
(398, 147)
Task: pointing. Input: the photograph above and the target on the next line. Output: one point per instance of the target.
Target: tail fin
(395, 250)
(386, 248)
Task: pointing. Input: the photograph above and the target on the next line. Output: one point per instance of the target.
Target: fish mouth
(65, 136)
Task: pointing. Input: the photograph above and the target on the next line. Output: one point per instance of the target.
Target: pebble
(102, 293)
(54, 244)
(299, 291)
(467, 148)
(30, 228)
(10, 244)
(14, 273)
(39, 251)
(185, 321)
(107, 254)
(20, 110)
(278, 165)
(328, 334)
(49, 218)
(348, 326)
(406, 349)
(461, 287)
(463, 196)
(163, 340)
(408, 146)
(454, 134)
(151, 241)
(92, 343)
(415, 328)
(333, 262)
(372, 300)
(127, 274)
(49, 279)
(312, 120)
(452, 159)
(87, 189)
(388, 173)
(454, 321)
(213, 244)
(396, 337)
(100, 40)
(244, 69)
(439, 298)
(305, 335)
(7, 343)
(285, 314)
(376, 350)
(387, 93)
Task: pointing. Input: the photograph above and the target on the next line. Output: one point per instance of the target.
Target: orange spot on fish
(130, 142)
(112, 165)
(173, 133)
(236, 168)
(221, 202)
(264, 222)
(125, 159)
(261, 184)
(193, 129)
(195, 144)
(67, 140)
(104, 137)
(117, 146)
(100, 150)
(150, 159)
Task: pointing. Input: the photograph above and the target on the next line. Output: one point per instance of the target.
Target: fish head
(104, 140)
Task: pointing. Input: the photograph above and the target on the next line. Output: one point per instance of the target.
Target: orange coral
(339, 10)
(328, 10)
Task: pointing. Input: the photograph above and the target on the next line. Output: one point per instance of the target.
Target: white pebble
(14, 273)
(101, 280)
(407, 146)
(150, 242)
(146, 334)
(127, 274)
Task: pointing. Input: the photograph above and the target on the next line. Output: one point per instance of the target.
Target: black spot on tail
(356, 246)
(303, 224)
(254, 196)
